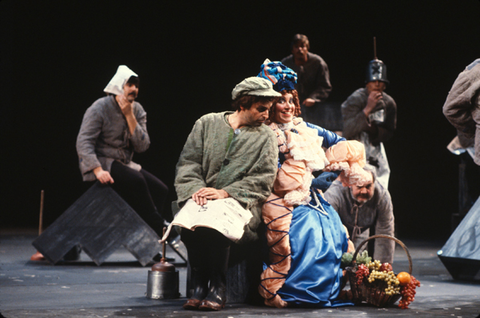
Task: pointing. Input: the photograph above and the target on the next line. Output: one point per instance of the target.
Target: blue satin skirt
(318, 242)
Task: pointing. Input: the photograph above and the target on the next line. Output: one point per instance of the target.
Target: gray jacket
(462, 107)
(376, 213)
(104, 137)
(373, 130)
(381, 124)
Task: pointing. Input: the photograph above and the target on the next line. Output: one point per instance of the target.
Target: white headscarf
(118, 80)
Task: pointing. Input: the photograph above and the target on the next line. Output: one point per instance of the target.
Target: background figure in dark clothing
(313, 85)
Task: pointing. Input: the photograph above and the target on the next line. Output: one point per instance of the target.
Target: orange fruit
(403, 278)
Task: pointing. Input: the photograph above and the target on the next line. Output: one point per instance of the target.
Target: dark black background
(57, 56)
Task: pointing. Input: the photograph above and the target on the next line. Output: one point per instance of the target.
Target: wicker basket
(373, 293)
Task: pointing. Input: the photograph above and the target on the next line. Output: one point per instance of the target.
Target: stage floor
(118, 288)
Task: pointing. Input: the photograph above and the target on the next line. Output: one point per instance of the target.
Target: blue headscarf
(281, 76)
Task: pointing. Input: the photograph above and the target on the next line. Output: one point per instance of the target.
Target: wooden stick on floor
(38, 256)
(40, 224)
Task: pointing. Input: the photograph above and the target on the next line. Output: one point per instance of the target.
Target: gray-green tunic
(246, 170)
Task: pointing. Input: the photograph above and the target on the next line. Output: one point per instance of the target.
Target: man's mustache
(364, 196)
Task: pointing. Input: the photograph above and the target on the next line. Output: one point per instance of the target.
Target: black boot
(199, 276)
(217, 294)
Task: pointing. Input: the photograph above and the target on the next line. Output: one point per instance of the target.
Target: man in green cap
(227, 155)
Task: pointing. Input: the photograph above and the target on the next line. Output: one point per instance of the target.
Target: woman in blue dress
(305, 235)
